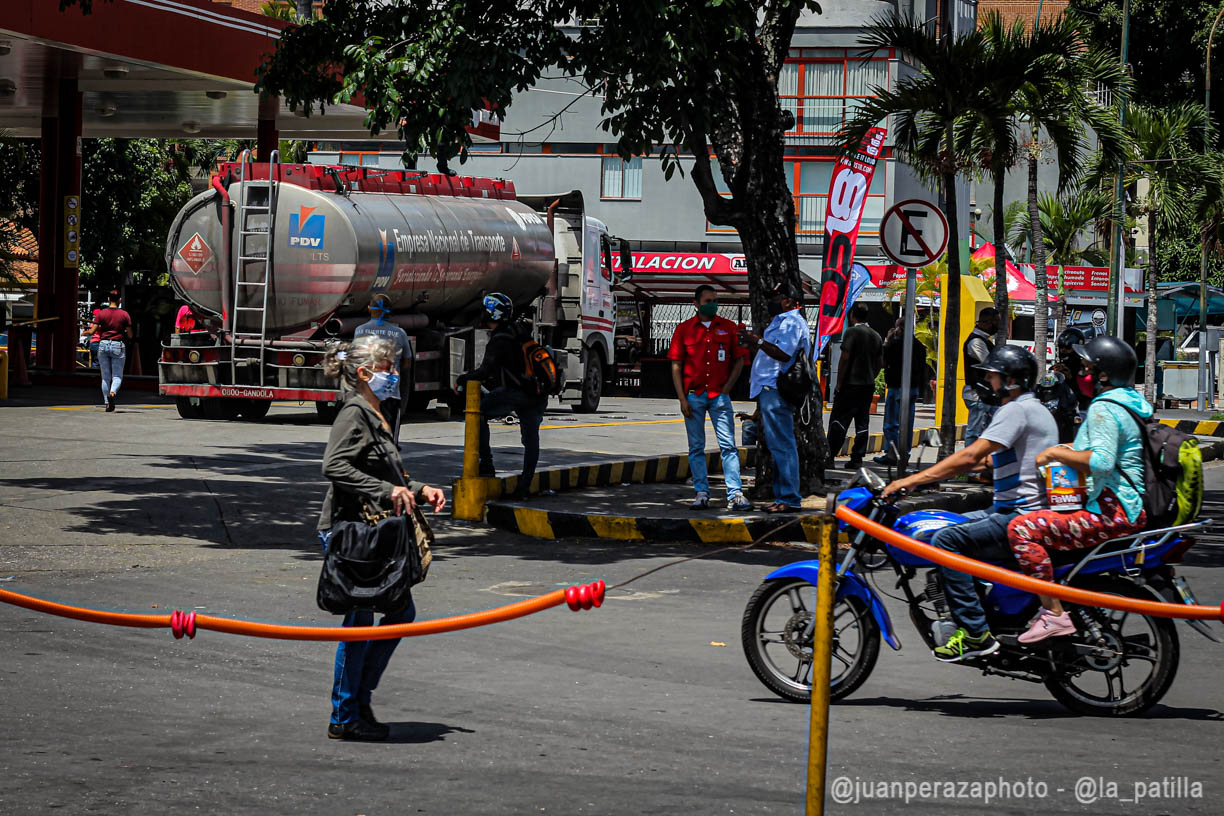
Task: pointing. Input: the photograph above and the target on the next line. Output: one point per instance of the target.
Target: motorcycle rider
(1020, 428)
(1108, 450)
(1072, 367)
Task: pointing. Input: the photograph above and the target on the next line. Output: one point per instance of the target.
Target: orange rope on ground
(1016, 580)
(582, 597)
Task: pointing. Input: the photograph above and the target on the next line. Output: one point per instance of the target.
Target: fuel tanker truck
(278, 260)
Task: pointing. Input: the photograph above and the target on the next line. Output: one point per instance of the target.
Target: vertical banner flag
(847, 195)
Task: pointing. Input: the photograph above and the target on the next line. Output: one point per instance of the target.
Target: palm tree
(1166, 145)
(1064, 221)
(1058, 102)
(926, 109)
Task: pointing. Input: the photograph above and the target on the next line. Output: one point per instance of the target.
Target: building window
(621, 179)
(823, 92)
(809, 181)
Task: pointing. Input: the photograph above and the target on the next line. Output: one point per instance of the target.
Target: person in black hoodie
(503, 371)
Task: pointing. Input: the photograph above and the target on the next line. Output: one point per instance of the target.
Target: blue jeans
(980, 415)
(892, 418)
(111, 356)
(530, 412)
(722, 417)
(93, 354)
(360, 664)
(778, 423)
(983, 537)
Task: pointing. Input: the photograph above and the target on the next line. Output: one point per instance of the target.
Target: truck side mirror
(605, 253)
(626, 256)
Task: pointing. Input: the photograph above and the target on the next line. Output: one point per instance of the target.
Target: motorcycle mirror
(871, 479)
(932, 438)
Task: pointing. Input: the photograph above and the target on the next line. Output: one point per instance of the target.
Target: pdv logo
(386, 260)
(306, 228)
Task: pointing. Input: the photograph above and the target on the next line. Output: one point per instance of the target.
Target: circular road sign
(1098, 318)
(914, 233)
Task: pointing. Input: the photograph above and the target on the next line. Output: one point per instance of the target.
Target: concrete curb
(1196, 427)
(515, 517)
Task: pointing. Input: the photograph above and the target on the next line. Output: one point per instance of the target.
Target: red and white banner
(714, 263)
(847, 195)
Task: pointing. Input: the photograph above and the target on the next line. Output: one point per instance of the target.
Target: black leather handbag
(372, 564)
(796, 383)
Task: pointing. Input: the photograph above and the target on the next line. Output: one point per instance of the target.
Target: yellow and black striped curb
(557, 524)
(1197, 427)
(875, 442)
(654, 469)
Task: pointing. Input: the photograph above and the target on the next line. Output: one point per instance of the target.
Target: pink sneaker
(1048, 625)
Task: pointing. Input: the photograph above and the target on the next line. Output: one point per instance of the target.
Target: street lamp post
(1115, 309)
(1204, 395)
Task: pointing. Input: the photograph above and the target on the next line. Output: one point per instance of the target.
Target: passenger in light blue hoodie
(1108, 452)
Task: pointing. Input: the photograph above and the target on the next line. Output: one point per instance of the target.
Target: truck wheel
(188, 409)
(327, 411)
(255, 409)
(592, 385)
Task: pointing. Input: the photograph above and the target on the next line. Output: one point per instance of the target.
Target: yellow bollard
(822, 654)
(3, 374)
(471, 490)
(471, 430)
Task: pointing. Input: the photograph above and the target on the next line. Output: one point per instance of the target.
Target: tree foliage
(1168, 44)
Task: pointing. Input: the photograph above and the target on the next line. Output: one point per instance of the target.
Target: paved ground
(634, 708)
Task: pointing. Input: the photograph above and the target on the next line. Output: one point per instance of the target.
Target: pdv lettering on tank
(306, 228)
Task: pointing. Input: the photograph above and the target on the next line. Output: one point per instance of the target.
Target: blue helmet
(498, 307)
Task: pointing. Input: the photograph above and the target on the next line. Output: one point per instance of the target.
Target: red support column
(267, 136)
(57, 277)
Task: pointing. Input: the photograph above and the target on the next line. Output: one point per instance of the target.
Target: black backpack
(1162, 469)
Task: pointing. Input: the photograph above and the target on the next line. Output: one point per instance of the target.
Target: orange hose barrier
(1016, 580)
(180, 623)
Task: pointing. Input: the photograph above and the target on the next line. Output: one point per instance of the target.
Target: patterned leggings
(1033, 534)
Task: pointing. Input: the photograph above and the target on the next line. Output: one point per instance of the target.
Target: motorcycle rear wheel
(773, 640)
(1145, 640)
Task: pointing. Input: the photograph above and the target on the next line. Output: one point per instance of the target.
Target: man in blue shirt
(378, 325)
(786, 334)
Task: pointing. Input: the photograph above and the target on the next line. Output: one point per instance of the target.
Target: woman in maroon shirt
(113, 326)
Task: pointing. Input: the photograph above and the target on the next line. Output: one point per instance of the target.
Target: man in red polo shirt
(706, 361)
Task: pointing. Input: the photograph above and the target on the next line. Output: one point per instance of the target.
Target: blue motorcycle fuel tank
(922, 525)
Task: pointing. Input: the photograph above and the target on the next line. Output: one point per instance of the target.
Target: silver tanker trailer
(278, 260)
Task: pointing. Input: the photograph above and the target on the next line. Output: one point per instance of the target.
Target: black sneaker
(367, 715)
(359, 731)
(855, 464)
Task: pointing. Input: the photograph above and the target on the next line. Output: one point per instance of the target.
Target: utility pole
(1205, 390)
(1114, 305)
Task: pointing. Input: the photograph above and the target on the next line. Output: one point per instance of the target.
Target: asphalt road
(643, 706)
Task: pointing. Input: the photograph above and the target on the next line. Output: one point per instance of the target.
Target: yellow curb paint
(639, 471)
(719, 531)
(617, 473)
(533, 523)
(623, 528)
(813, 528)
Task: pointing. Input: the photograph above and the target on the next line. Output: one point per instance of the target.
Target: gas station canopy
(149, 68)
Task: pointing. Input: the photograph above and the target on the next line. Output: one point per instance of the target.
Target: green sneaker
(962, 645)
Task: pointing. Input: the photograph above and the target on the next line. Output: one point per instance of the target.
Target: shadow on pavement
(417, 733)
(956, 705)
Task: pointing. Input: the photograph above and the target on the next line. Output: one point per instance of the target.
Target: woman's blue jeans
(360, 664)
(111, 356)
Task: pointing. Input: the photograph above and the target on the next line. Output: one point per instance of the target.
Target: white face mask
(384, 384)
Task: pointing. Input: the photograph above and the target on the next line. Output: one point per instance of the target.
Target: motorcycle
(1086, 672)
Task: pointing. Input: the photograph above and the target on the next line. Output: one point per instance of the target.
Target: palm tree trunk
(1000, 264)
(1041, 308)
(1060, 305)
(1149, 352)
(951, 315)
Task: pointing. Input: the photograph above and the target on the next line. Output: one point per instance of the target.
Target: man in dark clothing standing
(977, 348)
(856, 372)
(894, 350)
(504, 372)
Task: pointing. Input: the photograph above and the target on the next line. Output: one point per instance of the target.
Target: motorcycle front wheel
(1134, 664)
(778, 644)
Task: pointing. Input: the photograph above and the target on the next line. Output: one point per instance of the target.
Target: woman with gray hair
(363, 465)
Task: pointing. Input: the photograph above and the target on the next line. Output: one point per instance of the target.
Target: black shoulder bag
(796, 383)
(373, 564)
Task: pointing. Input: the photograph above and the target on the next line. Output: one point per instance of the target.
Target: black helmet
(498, 307)
(1111, 357)
(1009, 361)
(1071, 337)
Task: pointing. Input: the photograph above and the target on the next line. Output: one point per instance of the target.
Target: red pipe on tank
(224, 265)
